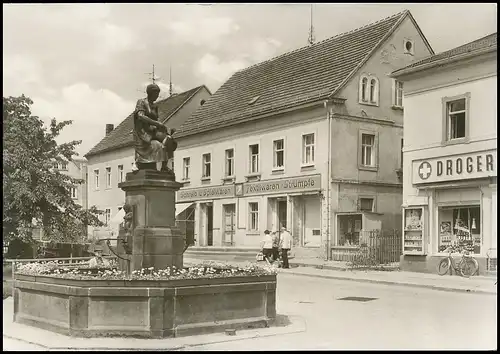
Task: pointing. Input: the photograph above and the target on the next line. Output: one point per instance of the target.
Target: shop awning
(179, 208)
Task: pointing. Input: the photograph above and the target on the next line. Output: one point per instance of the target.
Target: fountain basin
(144, 308)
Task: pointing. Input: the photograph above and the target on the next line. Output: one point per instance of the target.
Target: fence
(376, 247)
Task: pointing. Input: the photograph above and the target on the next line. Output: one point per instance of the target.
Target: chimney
(109, 128)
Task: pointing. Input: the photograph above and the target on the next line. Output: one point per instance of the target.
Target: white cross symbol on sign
(425, 169)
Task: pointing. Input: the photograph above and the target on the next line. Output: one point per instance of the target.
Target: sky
(90, 62)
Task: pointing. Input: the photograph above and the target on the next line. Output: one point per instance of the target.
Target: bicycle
(467, 265)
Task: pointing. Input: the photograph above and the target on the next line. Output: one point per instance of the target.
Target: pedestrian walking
(267, 246)
(286, 245)
(276, 244)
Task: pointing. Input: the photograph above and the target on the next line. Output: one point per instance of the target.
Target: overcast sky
(88, 62)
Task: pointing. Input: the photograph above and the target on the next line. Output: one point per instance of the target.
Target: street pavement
(396, 318)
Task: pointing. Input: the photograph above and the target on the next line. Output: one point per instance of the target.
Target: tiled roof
(480, 44)
(121, 136)
(305, 75)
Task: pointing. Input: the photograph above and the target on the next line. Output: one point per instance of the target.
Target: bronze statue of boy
(154, 144)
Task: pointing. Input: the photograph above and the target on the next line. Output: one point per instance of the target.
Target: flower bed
(205, 270)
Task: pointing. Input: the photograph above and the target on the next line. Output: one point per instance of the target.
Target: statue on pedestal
(154, 144)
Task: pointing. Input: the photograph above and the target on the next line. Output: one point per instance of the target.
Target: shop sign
(480, 164)
(283, 185)
(195, 194)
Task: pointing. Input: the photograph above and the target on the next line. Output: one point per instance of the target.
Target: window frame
(275, 166)
(97, 182)
(64, 166)
(120, 173)
(373, 198)
(250, 155)
(231, 163)
(205, 176)
(109, 179)
(364, 91)
(107, 219)
(250, 214)
(303, 146)
(74, 188)
(375, 150)
(186, 168)
(395, 90)
(445, 119)
(412, 50)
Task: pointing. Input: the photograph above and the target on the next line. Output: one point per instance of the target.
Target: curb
(388, 282)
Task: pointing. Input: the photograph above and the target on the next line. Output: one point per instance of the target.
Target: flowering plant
(199, 271)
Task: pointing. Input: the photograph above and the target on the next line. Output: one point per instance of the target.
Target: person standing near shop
(267, 246)
(286, 245)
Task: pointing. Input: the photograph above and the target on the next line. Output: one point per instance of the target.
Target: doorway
(281, 213)
(229, 224)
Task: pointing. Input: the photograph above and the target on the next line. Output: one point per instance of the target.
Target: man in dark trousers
(286, 245)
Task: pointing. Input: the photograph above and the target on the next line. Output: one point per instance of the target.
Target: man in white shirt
(98, 261)
(286, 245)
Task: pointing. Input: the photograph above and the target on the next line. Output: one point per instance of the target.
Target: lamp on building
(473, 223)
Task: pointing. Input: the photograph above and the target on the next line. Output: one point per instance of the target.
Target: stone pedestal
(156, 241)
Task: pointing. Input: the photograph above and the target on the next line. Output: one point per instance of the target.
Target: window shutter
(393, 92)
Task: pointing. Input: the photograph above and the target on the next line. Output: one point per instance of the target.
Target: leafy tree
(36, 193)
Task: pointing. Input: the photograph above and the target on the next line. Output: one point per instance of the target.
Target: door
(281, 215)
(312, 222)
(229, 224)
(210, 225)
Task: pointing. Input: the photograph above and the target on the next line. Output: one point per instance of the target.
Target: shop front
(455, 205)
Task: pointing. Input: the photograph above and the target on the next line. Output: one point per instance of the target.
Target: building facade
(113, 157)
(450, 155)
(313, 147)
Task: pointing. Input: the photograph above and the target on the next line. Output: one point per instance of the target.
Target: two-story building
(114, 156)
(310, 140)
(450, 154)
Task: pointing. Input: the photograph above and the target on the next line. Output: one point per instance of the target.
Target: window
(368, 90)
(254, 158)
(308, 149)
(96, 179)
(364, 85)
(368, 150)
(186, 164)
(206, 165)
(366, 204)
(64, 166)
(55, 166)
(107, 216)
(120, 173)
(408, 46)
(279, 154)
(460, 226)
(229, 163)
(349, 229)
(74, 192)
(108, 177)
(456, 119)
(253, 224)
(398, 93)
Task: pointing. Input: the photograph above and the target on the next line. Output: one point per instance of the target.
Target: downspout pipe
(328, 187)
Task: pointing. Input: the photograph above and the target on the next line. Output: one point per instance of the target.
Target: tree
(35, 193)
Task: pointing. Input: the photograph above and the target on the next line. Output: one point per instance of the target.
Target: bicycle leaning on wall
(467, 266)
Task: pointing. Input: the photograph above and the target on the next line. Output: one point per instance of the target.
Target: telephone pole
(311, 38)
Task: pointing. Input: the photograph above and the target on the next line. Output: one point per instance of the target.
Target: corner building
(310, 140)
(450, 155)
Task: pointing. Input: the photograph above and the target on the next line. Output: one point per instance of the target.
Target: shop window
(96, 179)
(456, 116)
(349, 229)
(308, 149)
(229, 163)
(108, 177)
(460, 226)
(366, 204)
(368, 150)
(206, 165)
(186, 165)
(120, 173)
(253, 224)
(279, 154)
(254, 158)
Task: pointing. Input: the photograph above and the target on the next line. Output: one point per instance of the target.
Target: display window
(460, 227)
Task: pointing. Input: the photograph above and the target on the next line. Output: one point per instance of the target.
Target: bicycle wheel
(444, 266)
(468, 267)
